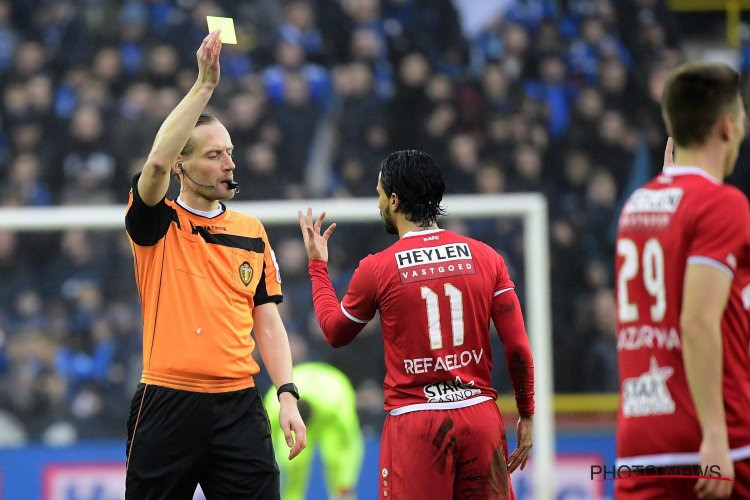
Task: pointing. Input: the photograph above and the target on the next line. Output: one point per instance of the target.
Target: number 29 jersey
(680, 217)
(434, 290)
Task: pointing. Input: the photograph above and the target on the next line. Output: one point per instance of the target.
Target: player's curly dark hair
(415, 177)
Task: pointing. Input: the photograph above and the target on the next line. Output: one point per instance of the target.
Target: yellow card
(226, 25)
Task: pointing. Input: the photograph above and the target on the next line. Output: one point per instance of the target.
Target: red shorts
(644, 488)
(445, 454)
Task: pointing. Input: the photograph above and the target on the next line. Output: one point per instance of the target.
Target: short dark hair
(203, 119)
(415, 177)
(695, 96)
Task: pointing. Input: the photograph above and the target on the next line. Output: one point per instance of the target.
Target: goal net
(530, 209)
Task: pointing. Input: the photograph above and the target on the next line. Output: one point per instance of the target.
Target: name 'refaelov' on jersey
(434, 290)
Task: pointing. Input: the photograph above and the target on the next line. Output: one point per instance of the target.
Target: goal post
(531, 208)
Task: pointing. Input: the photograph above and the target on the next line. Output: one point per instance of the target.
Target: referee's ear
(177, 167)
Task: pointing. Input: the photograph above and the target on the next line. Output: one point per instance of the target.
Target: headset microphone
(231, 184)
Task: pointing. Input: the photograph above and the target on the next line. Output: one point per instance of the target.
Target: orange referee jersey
(199, 279)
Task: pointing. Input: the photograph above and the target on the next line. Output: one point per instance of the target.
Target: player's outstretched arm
(705, 294)
(338, 328)
(176, 129)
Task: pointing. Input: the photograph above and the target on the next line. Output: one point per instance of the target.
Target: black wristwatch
(290, 388)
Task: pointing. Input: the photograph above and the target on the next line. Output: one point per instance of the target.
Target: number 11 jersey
(434, 290)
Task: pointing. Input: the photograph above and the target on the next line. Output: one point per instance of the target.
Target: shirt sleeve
(508, 320)
(720, 231)
(341, 325)
(144, 224)
(503, 282)
(269, 285)
(360, 302)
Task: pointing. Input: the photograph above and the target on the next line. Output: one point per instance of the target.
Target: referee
(206, 277)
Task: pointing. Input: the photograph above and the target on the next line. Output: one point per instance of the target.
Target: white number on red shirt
(433, 315)
(653, 278)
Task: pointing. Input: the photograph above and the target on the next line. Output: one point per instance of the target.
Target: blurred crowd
(551, 96)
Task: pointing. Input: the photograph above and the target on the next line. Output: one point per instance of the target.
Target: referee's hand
(291, 423)
(208, 60)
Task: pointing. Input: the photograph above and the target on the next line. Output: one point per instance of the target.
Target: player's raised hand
(208, 60)
(523, 448)
(715, 452)
(669, 153)
(316, 244)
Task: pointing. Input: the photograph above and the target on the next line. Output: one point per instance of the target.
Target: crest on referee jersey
(246, 273)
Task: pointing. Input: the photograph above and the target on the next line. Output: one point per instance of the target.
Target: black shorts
(178, 439)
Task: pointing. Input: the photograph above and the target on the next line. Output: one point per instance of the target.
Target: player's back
(434, 292)
(682, 216)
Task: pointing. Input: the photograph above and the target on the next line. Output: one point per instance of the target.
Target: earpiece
(179, 166)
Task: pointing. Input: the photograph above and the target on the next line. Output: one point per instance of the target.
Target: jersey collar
(422, 232)
(685, 170)
(208, 215)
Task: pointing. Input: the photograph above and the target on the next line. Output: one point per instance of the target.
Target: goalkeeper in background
(328, 407)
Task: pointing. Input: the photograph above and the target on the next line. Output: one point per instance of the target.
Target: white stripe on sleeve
(699, 259)
(356, 320)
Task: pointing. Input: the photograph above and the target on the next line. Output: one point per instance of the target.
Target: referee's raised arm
(175, 131)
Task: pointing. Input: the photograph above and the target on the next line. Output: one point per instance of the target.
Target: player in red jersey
(682, 268)
(436, 292)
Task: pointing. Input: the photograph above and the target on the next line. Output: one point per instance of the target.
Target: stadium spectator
(25, 183)
(299, 27)
(297, 116)
(600, 364)
(87, 167)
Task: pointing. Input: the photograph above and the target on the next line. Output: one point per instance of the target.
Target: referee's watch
(290, 388)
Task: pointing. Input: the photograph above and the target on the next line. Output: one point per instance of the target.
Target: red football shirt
(681, 216)
(436, 292)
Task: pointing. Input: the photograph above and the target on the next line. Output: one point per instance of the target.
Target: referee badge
(246, 273)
